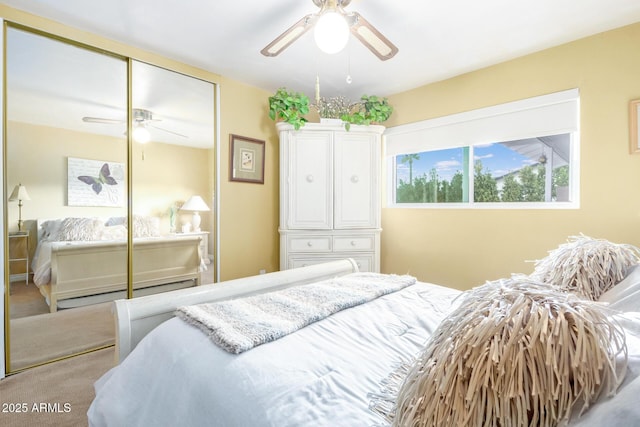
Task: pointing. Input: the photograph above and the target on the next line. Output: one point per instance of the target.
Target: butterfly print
(103, 178)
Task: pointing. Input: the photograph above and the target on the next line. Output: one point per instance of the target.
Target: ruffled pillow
(80, 229)
(51, 230)
(586, 266)
(114, 232)
(146, 226)
(513, 353)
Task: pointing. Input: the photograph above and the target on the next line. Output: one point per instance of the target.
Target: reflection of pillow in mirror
(115, 232)
(146, 226)
(586, 266)
(116, 220)
(80, 229)
(50, 229)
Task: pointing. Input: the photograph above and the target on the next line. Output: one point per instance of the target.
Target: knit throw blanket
(241, 324)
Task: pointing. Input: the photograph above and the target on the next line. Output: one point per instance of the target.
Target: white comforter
(318, 376)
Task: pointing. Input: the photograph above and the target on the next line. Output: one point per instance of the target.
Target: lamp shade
(195, 203)
(19, 193)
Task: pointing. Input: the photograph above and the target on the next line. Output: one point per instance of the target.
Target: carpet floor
(26, 300)
(43, 337)
(57, 394)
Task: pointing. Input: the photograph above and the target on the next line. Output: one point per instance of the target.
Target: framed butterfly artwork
(95, 183)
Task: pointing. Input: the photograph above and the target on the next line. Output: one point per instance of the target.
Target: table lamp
(195, 204)
(19, 193)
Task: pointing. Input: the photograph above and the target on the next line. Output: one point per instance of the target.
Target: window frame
(499, 112)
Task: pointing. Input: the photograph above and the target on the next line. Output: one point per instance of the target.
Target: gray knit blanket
(241, 324)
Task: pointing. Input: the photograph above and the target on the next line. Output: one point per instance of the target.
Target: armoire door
(356, 180)
(310, 185)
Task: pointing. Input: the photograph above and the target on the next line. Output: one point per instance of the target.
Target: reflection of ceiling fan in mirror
(142, 119)
(328, 23)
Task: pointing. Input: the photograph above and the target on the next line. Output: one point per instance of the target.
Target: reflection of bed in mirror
(81, 261)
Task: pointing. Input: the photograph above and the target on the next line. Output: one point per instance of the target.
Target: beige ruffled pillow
(513, 353)
(80, 229)
(145, 226)
(589, 267)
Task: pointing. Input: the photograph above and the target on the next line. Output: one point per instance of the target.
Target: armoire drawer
(364, 262)
(309, 243)
(353, 243)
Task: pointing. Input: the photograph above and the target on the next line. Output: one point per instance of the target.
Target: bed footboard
(137, 317)
(101, 268)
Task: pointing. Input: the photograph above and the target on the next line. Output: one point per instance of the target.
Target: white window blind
(544, 115)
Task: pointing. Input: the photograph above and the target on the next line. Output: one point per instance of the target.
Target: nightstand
(19, 256)
(204, 243)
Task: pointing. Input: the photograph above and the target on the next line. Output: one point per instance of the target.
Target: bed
(80, 261)
(331, 372)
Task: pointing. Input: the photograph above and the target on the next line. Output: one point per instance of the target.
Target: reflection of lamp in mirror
(19, 193)
(195, 204)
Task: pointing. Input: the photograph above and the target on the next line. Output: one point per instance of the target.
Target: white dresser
(330, 195)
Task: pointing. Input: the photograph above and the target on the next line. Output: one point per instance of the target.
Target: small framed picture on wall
(246, 159)
(634, 119)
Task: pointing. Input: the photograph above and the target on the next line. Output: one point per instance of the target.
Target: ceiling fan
(141, 120)
(360, 28)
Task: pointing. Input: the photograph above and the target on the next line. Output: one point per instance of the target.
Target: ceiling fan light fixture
(331, 32)
(141, 134)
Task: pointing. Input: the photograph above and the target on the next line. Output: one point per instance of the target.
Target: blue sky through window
(497, 158)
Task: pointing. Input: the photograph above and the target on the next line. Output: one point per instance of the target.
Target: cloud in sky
(447, 165)
(486, 156)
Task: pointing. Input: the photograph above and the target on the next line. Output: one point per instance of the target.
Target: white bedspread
(317, 376)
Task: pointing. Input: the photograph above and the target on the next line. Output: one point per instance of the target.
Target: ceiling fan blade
(289, 36)
(371, 37)
(168, 131)
(101, 120)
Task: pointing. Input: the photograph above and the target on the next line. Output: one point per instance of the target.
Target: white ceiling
(436, 40)
(57, 84)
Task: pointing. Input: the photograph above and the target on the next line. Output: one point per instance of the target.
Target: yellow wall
(249, 234)
(464, 248)
(248, 212)
(37, 158)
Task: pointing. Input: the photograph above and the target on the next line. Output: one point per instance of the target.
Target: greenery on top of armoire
(290, 107)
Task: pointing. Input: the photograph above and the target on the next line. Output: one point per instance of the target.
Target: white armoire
(330, 195)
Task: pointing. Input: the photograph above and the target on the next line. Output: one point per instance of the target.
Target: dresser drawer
(353, 243)
(364, 262)
(310, 244)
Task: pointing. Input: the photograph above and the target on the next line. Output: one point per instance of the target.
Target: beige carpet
(44, 337)
(64, 389)
(26, 300)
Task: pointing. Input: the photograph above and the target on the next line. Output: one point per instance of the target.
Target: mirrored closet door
(65, 177)
(172, 175)
(70, 248)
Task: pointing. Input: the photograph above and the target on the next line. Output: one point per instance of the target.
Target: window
(430, 165)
